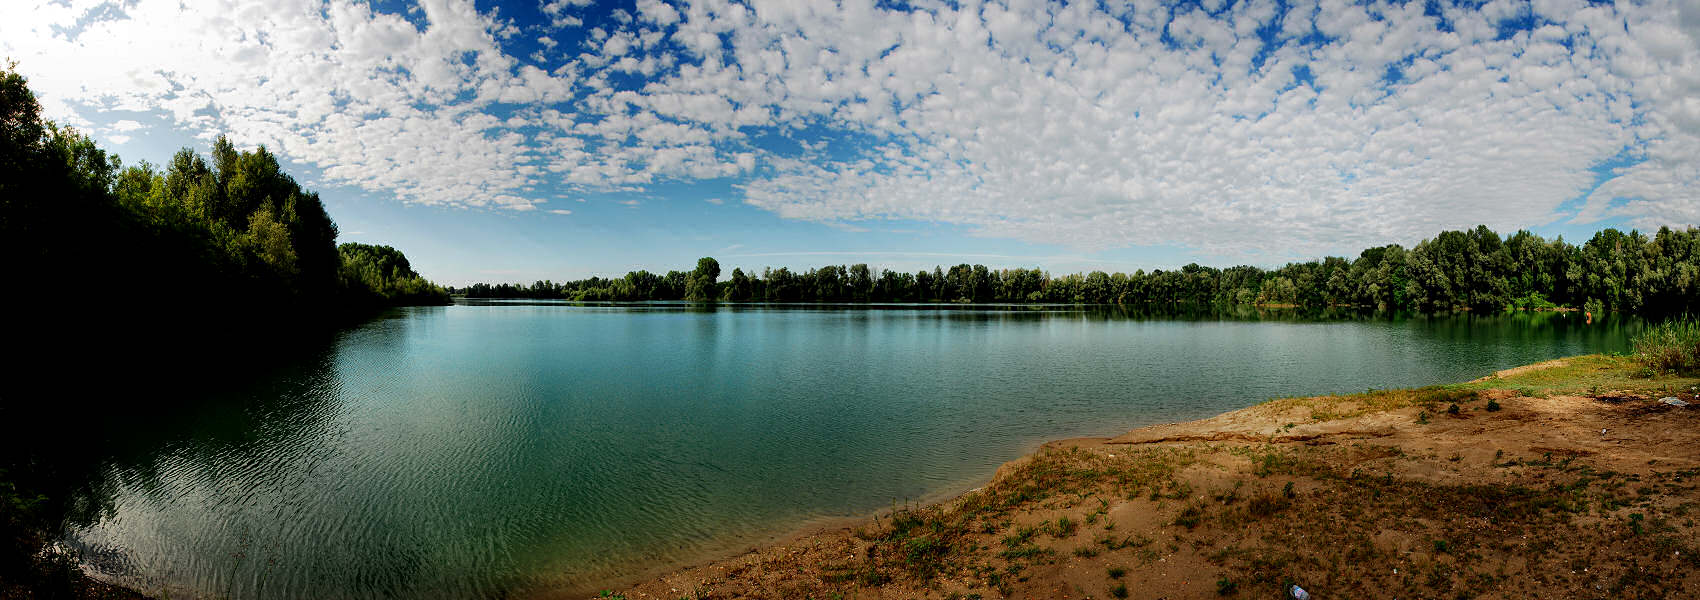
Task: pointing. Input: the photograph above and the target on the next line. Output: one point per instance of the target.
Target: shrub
(1190, 516)
(1492, 406)
(1226, 587)
(1671, 346)
(1533, 301)
(1265, 504)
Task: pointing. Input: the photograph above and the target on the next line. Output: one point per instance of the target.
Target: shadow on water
(89, 411)
(244, 479)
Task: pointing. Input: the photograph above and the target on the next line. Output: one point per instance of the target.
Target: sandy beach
(1565, 479)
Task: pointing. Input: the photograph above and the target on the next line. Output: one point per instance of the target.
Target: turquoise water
(504, 449)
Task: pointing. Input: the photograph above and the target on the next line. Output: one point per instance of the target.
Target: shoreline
(818, 526)
(1207, 496)
(980, 561)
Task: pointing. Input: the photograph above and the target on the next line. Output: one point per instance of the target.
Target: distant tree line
(1475, 270)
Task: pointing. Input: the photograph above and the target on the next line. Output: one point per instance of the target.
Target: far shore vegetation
(1476, 270)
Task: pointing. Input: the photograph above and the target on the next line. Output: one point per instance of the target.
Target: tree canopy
(1475, 269)
(235, 234)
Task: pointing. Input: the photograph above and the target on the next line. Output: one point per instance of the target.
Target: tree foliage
(1476, 269)
(381, 275)
(232, 238)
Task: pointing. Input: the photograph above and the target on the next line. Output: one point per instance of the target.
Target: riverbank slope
(1566, 478)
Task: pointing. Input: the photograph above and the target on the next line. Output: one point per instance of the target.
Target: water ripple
(481, 451)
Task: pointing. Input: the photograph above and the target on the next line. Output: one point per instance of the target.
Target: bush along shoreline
(1672, 346)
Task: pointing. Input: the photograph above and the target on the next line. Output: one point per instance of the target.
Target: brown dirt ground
(1556, 494)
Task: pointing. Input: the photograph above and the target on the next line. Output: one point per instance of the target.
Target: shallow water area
(502, 448)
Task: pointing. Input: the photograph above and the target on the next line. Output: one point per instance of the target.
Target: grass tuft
(1670, 347)
(1226, 587)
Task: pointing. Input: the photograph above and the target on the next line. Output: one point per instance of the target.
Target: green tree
(701, 284)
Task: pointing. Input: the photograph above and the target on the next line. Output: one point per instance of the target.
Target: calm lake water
(508, 449)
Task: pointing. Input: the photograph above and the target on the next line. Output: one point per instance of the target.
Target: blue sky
(557, 139)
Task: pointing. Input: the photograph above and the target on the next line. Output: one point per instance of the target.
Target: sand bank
(1563, 479)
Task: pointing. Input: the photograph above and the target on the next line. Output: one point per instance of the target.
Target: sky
(558, 139)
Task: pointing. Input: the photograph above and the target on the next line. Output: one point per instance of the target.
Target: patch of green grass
(1590, 374)
(1119, 591)
(1116, 572)
(1327, 408)
(1025, 551)
(1670, 347)
(1062, 527)
(1111, 543)
(924, 549)
(1271, 462)
(1190, 516)
(1020, 537)
(1437, 395)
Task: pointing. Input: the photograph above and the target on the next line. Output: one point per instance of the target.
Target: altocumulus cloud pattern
(1223, 126)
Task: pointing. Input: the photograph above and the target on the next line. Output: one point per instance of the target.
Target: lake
(517, 448)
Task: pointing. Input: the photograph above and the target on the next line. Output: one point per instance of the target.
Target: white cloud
(1065, 129)
(657, 12)
(369, 98)
(1077, 124)
(557, 11)
(560, 211)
